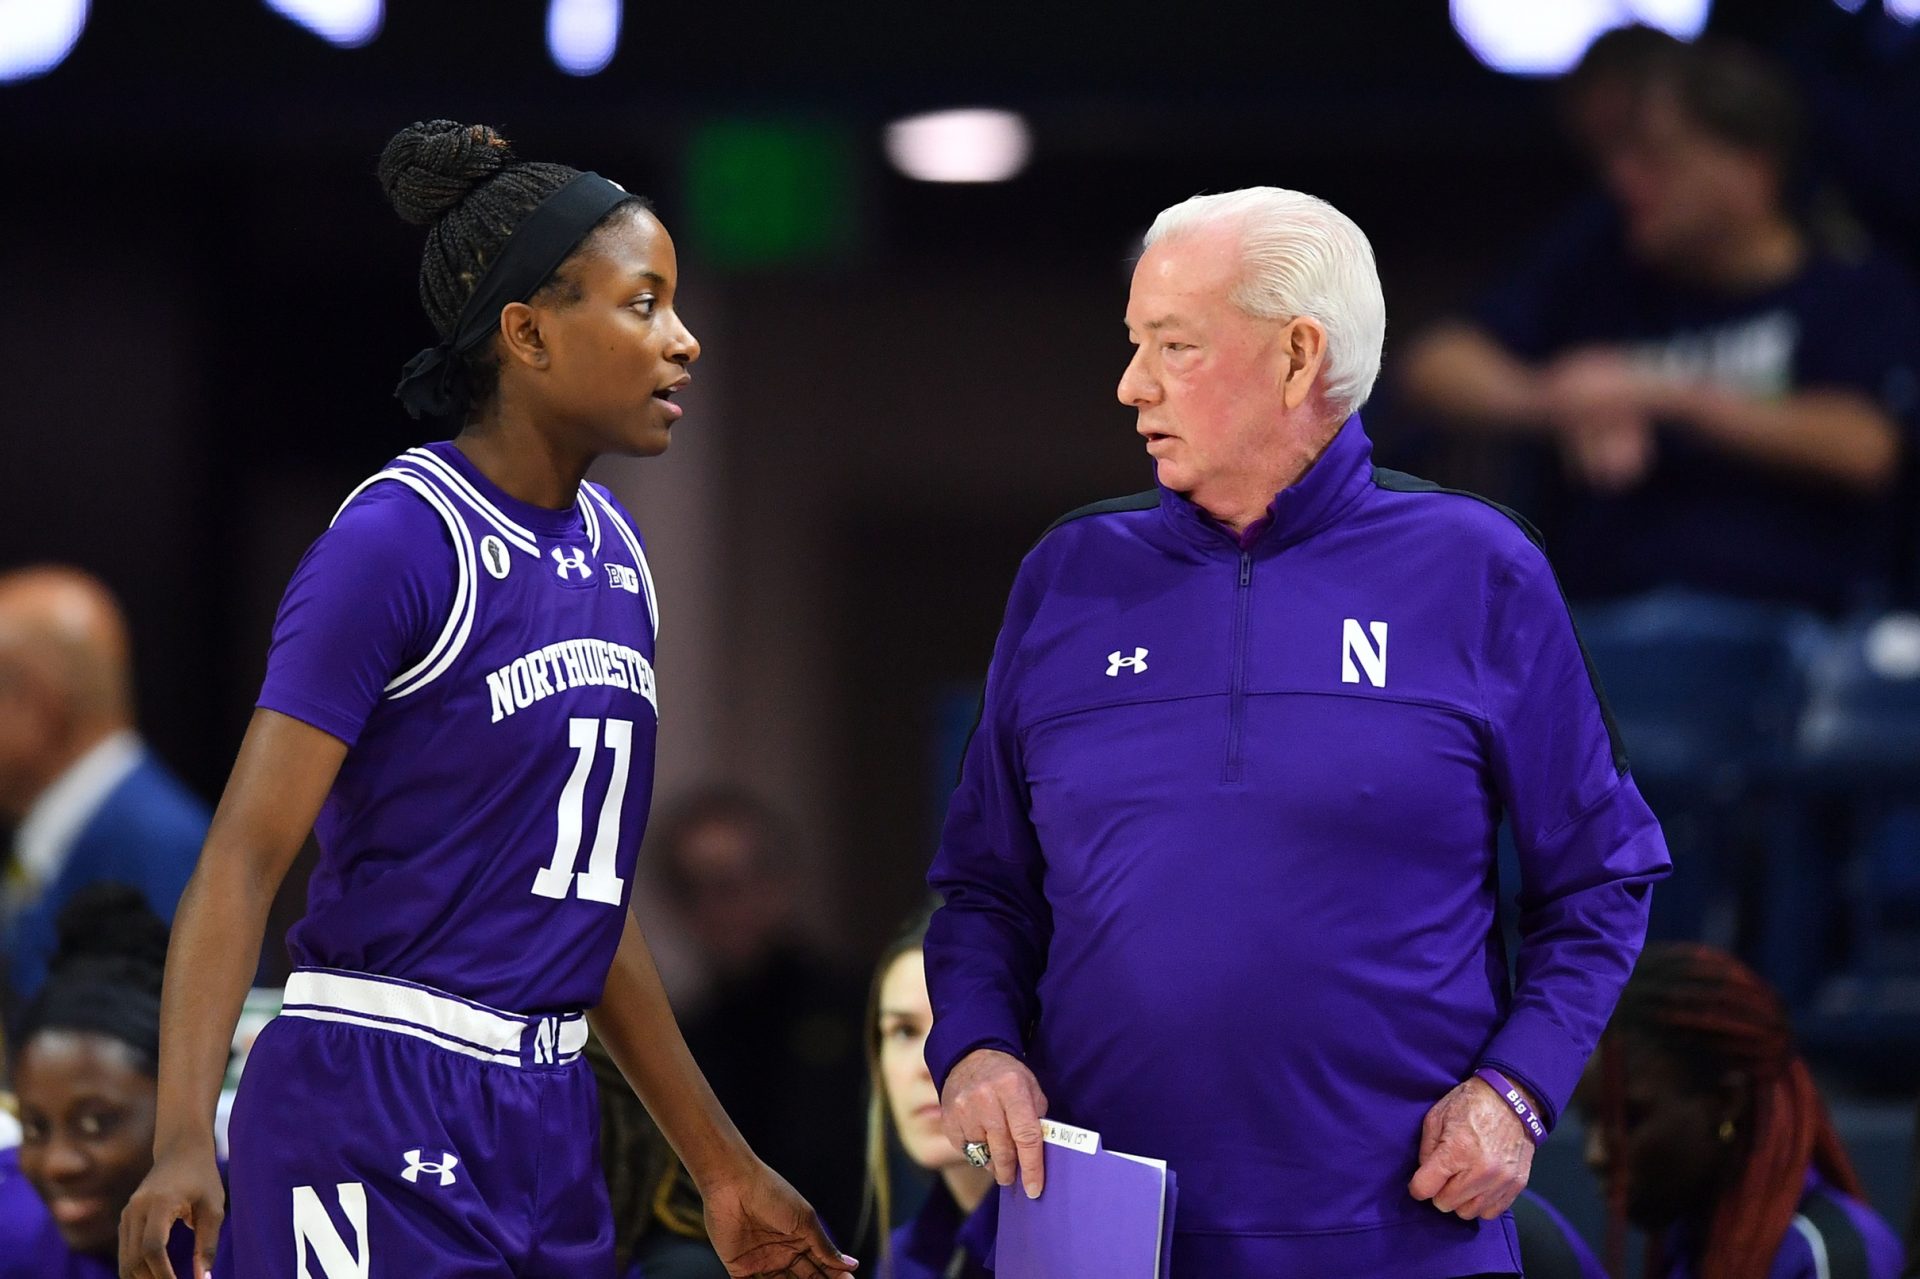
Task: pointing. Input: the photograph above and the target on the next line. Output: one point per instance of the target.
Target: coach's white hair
(1302, 257)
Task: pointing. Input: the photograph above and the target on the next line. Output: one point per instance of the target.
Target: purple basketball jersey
(490, 665)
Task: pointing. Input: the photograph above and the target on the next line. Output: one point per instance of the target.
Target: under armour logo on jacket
(1137, 663)
(569, 561)
(443, 1169)
(1372, 657)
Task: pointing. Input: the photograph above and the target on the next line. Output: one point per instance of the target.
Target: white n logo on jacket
(1372, 657)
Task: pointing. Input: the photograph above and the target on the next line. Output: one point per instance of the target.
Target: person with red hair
(1707, 1131)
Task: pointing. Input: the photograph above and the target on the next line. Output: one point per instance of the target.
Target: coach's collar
(1336, 480)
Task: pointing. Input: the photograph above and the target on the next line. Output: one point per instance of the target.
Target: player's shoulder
(1466, 520)
(386, 507)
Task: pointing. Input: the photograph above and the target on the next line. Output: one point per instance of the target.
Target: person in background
(658, 1226)
(1728, 399)
(1707, 1132)
(950, 1236)
(1550, 1248)
(83, 1067)
(778, 1030)
(91, 801)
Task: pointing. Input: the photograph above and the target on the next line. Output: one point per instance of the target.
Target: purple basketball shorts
(384, 1130)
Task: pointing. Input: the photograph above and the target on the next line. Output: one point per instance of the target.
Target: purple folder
(1102, 1213)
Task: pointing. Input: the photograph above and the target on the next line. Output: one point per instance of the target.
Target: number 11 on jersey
(598, 882)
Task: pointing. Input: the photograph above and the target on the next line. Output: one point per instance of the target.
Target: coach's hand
(763, 1229)
(991, 1096)
(1475, 1153)
(184, 1185)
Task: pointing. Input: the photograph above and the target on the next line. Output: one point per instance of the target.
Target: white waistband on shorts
(446, 1021)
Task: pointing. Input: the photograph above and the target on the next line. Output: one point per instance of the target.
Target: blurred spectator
(1707, 1132)
(779, 1032)
(91, 802)
(1550, 1248)
(83, 1068)
(1729, 400)
(948, 1238)
(659, 1226)
(1600, 98)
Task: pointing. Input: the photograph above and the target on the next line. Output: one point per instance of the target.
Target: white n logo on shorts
(313, 1229)
(1372, 657)
(546, 1042)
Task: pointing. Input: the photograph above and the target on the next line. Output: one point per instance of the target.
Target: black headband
(101, 1003)
(434, 383)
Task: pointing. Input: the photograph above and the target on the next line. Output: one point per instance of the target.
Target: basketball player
(460, 703)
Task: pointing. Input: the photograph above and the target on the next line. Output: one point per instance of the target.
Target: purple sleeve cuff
(951, 1040)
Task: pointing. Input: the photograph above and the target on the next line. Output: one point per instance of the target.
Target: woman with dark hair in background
(83, 1072)
(950, 1236)
(460, 704)
(1707, 1131)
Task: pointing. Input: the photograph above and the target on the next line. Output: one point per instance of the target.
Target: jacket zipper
(1236, 701)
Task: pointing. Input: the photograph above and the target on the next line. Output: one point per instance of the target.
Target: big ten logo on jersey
(622, 578)
(318, 1240)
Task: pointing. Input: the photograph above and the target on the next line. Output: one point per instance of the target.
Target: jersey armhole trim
(459, 624)
(626, 533)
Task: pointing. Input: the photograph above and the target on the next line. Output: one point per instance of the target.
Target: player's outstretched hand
(1475, 1154)
(763, 1229)
(183, 1186)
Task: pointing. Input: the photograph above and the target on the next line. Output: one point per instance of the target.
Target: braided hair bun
(430, 166)
(105, 977)
(108, 929)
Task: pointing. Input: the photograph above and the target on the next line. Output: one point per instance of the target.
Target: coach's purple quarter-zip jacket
(1220, 865)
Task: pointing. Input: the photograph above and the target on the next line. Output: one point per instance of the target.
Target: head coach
(1219, 870)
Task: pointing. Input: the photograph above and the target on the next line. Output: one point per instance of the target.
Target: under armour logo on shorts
(416, 1165)
(1137, 663)
(570, 560)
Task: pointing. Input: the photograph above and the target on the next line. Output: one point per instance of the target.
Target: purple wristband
(1512, 1096)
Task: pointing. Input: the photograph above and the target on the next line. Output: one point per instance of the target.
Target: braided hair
(1712, 1016)
(647, 1185)
(105, 975)
(464, 183)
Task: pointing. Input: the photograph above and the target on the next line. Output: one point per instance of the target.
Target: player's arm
(1833, 434)
(1461, 372)
(282, 775)
(758, 1224)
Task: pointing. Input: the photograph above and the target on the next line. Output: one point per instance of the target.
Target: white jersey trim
(1817, 1244)
(590, 518)
(442, 1020)
(639, 556)
(514, 533)
(459, 625)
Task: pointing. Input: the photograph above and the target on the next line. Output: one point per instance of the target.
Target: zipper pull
(1246, 567)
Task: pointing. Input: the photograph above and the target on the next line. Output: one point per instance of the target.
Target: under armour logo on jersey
(443, 1169)
(1137, 663)
(570, 560)
(622, 578)
(493, 553)
(1372, 657)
